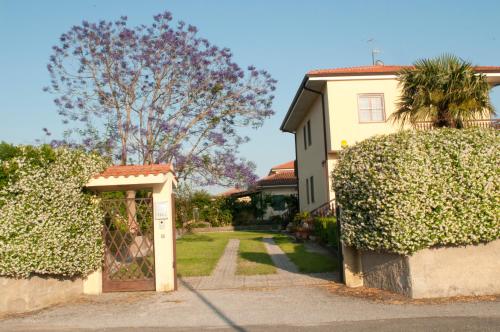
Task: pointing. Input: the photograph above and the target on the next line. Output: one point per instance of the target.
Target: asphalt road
(294, 308)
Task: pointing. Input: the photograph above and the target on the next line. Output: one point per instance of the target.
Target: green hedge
(48, 224)
(325, 228)
(412, 190)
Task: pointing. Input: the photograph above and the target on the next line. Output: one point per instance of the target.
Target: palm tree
(445, 90)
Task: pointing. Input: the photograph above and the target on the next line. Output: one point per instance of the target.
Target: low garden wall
(29, 294)
(437, 272)
(50, 228)
(419, 212)
(270, 227)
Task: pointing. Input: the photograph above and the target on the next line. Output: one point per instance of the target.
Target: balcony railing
(325, 210)
(488, 123)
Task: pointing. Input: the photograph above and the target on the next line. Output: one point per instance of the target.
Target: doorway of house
(128, 235)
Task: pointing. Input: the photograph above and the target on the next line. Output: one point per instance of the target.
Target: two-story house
(337, 107)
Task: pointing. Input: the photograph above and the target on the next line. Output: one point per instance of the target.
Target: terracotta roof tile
(487, 69)
(287, 165)
(356, 70)
(136, 170)
(278, 179)
(231, 191)
(385, 69)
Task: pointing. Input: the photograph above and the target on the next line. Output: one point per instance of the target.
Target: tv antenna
(374, 52)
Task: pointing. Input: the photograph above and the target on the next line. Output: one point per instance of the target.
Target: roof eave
(292, 105)
(302, 95)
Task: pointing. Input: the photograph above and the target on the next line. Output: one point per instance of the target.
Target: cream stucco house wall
(336, 107)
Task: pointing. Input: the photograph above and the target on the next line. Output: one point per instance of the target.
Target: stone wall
(429, 273)
(24, 295)
(386, 271)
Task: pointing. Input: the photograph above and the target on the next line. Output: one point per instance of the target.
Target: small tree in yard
(157, 93)
(445, 90)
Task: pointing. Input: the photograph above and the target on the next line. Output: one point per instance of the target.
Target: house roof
(135, 170)
(356, 70)
(285, 178)
(385, 69)
(288, 165)
(231, 191)
(314, 80)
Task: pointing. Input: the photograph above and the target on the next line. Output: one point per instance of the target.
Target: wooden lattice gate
(129, 261)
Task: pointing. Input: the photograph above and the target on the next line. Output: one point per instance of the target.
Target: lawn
(253, 258)
(198, 254)
(307, 262)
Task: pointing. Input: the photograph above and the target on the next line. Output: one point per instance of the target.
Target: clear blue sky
(285, 37)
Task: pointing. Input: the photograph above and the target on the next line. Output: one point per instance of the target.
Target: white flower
(412, 190)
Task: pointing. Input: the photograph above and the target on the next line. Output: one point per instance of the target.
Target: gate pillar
(161, 179)
(164, 239)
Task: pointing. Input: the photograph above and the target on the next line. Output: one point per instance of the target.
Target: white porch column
(163, 236)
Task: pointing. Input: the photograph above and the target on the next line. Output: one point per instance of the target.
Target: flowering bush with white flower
(48, 224)
(412, 190)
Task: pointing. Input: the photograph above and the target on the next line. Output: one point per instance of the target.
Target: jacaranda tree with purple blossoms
(159, 93)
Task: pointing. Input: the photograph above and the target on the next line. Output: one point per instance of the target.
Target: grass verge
(307, 262)
(197, 254)
(253, 258)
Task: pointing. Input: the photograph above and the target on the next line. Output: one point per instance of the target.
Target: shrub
(216, 214)
(211, 209)
(325, 228)
(412, 190)
(48, 224)
(276, 219)
(247, 211)
(35, 156)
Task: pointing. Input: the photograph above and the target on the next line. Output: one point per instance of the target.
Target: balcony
(487, 123)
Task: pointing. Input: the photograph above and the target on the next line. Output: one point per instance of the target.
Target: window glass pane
(376, 102)
(278, 202)
(309, 132)
(307, 189)
(377, 115)
(305, 137)
(312, 189)
(364, 115)
(364, 103)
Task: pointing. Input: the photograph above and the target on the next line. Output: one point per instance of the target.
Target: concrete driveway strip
(280, 259)
(269, 308)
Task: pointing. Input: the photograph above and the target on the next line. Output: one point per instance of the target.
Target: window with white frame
(371, 107)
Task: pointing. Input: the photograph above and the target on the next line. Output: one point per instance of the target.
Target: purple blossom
(165, 93)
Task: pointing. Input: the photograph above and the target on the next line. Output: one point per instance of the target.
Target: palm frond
(445, 90)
